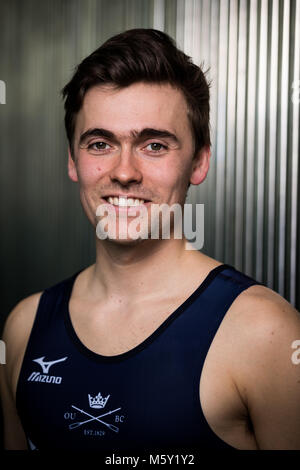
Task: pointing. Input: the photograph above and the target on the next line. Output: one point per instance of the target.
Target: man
(112, 357)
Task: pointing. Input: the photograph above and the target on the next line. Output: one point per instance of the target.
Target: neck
(139, 270)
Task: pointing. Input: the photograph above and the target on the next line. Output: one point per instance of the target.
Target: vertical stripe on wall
(294, 176)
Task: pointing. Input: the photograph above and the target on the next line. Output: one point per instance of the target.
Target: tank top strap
(237, 277)
(52, 303)
(219, 295)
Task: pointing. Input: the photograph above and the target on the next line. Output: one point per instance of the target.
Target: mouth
(125, 202)
(127, 205)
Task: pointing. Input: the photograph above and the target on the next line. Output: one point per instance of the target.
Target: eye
(98, 146)
(156, 147)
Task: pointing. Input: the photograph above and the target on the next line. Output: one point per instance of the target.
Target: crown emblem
(99, 401)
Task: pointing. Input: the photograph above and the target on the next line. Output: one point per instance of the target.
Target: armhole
(28, 342)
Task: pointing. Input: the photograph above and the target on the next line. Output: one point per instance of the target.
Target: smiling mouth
(122, 201)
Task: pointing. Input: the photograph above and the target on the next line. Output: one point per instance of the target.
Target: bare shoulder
(17, 329)
(264, 310)
(265, 323)
(265, 328)
(20, 320)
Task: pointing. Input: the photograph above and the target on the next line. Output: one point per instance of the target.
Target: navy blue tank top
(69, 397)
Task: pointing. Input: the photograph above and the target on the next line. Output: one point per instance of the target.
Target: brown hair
(141, 55)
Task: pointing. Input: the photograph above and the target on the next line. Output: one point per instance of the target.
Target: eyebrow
(146, 133)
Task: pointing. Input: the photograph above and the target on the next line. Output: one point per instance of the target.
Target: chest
(112, 330)
(118, 331)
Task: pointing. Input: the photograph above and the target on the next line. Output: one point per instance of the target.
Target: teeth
(124, 202)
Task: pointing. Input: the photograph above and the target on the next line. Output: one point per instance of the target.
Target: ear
(200, 165)
(72, 170)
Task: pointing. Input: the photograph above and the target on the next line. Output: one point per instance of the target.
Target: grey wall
(251, 194)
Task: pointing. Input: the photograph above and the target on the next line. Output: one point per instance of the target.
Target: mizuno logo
(47, 364)
(38, 377)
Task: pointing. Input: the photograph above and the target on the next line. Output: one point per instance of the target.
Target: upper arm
(15, 336)
(14, 437)
(266, 372)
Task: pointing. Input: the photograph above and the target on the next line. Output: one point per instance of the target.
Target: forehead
(137, 106)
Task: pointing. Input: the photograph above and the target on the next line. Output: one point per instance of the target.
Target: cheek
(175, 175)
(89, 173)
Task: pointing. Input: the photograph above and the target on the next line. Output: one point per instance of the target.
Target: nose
(126, 168)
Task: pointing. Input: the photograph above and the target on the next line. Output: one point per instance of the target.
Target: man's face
(134, 142)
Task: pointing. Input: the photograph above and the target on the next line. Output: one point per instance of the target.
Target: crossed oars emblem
(94, 418)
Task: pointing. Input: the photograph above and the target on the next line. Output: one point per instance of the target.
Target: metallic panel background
(251, 194)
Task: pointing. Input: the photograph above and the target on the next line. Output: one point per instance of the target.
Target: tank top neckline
(127, 354)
